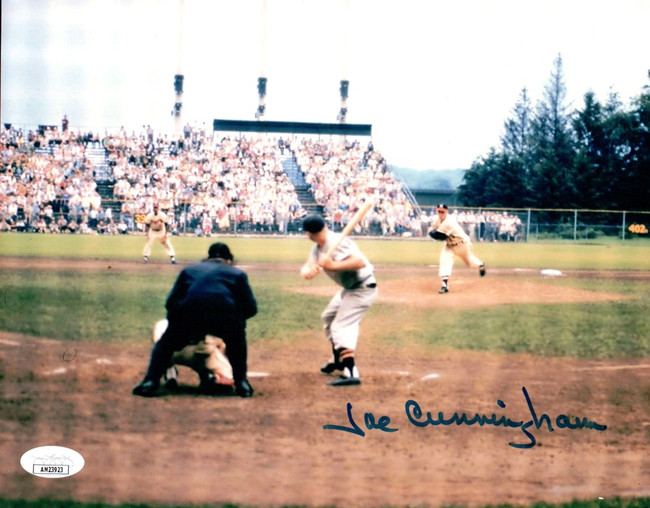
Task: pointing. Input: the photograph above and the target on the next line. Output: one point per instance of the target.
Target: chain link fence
(534, 224)
(481, 224)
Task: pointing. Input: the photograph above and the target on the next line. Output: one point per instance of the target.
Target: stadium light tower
(345, 84)
(261, 81)
(261, 92)
(178, 77)
(178, 103)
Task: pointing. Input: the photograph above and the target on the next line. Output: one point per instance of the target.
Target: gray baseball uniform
(343, 314)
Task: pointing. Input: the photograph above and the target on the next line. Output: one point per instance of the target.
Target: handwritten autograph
(417, 418)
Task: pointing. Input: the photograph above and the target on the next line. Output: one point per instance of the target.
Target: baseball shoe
(443, 290)
(481, 270)
(171, 385)
(330, 367)
(348, 378)
(244, 389)
(146, 388)
(173, 261)
(145, 260)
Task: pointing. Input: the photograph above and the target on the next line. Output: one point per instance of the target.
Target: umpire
(210, 297)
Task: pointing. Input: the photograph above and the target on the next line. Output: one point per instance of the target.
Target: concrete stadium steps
(98, 157)
(105, 189)
(297, 178)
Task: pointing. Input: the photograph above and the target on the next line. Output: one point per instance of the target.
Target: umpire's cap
(313, 224)
(220, 250)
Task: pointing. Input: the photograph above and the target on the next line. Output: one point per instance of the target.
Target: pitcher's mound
(466, 292)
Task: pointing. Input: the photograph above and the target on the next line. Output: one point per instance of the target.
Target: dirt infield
(273, 449)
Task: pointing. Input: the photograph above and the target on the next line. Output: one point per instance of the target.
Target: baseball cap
(313, 224)
(220, 250)
(442, 206)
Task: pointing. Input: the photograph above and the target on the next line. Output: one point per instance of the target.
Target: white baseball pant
(343, 314)
(161, 237)
(463, 250)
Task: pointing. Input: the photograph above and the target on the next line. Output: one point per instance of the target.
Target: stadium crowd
(47, 193)
(342, 180)
(482, 226)
(207, 185)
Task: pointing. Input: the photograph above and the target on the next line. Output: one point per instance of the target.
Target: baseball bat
(356, 218)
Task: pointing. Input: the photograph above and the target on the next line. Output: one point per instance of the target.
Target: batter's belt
(368, 282)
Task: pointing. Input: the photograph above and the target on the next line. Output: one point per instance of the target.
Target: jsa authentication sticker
(52, 462)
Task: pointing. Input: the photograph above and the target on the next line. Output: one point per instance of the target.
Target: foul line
(615, 367)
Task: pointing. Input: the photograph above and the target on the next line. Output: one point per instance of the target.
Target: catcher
(207, 358)
(211, 297)
(457, 243)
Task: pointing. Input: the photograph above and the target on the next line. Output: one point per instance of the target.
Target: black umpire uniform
(211, 297)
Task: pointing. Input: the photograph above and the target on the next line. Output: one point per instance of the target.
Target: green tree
(494, 181)
(598, 157)
(595, 162)
(500, 178)
(515, 168)
(635, 171)
(516, 139)
(553, 176)
(506, 186)
(471, 192)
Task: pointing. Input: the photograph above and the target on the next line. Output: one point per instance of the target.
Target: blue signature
(417, 418)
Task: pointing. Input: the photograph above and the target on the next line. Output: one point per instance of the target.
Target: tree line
(596, 157)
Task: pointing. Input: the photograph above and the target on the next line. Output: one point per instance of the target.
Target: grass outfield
(113, 307)
(629, 255)
(121, 306)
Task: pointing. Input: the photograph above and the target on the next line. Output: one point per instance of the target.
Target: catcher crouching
(207, 358)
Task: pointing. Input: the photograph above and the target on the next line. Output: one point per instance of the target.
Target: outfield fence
(481, 224)
(535, 224)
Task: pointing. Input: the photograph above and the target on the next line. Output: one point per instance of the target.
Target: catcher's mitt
(438, 235)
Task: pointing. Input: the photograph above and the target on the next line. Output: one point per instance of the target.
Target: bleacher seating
(243, 184)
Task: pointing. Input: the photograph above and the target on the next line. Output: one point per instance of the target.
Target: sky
(435, 79)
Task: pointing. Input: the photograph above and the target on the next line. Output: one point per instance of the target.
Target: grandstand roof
(293, 127)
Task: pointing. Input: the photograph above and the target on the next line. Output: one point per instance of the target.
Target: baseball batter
(457, 243)
(350, 269)
(156, 228)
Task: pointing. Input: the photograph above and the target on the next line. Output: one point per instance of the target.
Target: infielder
(457, 243)
(156, 228)
(351, 270)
